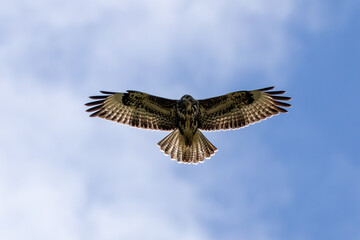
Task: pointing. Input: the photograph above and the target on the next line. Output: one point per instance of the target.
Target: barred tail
(199, 148)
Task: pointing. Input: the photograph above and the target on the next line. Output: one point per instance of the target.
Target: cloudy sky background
(66, 176)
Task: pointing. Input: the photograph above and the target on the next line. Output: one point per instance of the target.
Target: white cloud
(65, 176)
(61, 182)
(204, 41)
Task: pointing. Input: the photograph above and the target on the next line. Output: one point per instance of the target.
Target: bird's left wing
(136, 109)
(239, 109)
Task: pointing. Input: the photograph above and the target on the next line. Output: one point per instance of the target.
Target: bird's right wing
(136, 109)
(239, 109)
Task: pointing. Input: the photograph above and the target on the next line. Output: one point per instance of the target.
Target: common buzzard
(187, 116)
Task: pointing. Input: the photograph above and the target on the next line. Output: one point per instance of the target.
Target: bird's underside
(187, 116)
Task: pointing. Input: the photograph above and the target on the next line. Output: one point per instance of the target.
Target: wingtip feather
(282, 98)
(89, 104)
(94, 108)
(281, 104)
(266, 89)
(275, 92)
(282, 110)
(95, 114)
(107, 92)
(99, 97)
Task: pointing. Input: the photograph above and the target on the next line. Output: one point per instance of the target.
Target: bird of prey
(187, 116)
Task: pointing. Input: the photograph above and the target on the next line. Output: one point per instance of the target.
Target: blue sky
(66, 176)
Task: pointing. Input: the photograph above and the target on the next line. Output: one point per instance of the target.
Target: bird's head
(187, 101)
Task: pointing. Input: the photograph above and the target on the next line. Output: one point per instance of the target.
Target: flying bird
(187, 116)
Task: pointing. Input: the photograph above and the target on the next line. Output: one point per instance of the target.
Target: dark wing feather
(239, 109)
(136, 109)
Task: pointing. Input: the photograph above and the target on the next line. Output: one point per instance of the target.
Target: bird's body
(187, 116)
(187, 113)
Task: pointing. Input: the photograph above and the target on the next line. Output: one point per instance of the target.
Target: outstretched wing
(136, 109)
(239, 109)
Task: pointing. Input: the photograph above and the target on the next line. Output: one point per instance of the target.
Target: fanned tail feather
(199, 149)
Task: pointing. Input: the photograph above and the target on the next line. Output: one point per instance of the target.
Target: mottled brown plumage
(187, 116)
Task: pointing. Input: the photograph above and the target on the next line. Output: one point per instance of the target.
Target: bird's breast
(187, 118)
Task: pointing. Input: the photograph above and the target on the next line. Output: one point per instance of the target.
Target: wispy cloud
(65, 176)
(203, 40)
(63, 180)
